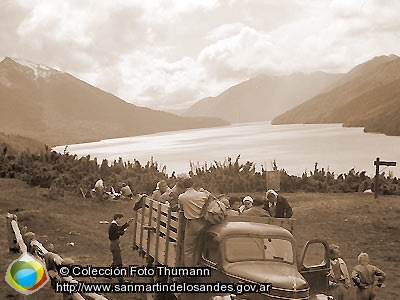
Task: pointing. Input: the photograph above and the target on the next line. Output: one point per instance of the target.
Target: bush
(49, 169)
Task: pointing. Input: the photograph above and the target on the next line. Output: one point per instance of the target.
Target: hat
(271, 192)
(183, 176)
(247, 198)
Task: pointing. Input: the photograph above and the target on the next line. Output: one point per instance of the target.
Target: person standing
(192, 202)
(115, 231)
(363, 276)
(338, 277)
(278, 206)
(177, 190)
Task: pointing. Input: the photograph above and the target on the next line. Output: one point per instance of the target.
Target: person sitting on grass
(126, 192)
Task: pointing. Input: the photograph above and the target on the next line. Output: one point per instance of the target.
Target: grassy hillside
(356, 222)
(368, 96)
(16, 144)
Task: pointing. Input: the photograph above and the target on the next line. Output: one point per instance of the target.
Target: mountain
(57, 108)
(368, 96)
(262, 98)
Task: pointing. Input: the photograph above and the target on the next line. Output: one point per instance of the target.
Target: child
(247, 203)
(363, 276)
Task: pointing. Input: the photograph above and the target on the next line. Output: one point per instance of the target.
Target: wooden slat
(18, 236)
(172, 235)
(179, 245)
(173, 223)
(167, 236)
(135, 224)
(142, 226)
(172, 257)
(158, 231)
(149, 224)
(91, 296)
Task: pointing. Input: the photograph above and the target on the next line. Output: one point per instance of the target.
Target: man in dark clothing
(277, 206)
(114, 232)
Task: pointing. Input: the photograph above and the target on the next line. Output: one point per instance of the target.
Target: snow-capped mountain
(57, 108)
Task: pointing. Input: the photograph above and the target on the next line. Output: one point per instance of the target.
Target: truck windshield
(248, 248)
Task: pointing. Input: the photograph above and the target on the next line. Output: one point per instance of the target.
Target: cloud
(224, 31)
(170, 53)
(245, 54)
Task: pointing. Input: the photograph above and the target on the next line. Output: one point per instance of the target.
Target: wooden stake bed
(158, 232)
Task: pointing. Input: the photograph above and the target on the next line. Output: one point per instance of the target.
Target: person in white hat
(257, 209)
(247, 203)
(278, 206)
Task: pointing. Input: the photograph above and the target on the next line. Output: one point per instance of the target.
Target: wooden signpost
(377, 164)
(273, 180)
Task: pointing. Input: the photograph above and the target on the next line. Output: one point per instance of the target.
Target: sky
(168, 54)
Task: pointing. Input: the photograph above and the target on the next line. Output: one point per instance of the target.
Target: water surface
(295, 147)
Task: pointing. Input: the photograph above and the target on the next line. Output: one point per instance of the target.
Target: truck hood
(280, 275)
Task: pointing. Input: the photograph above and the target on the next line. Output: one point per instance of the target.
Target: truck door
(314, 266)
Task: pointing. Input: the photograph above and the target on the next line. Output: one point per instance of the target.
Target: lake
(295, 148)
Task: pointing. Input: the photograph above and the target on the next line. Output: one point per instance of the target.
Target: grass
(356, 222)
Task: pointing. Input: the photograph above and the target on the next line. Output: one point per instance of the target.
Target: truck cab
(254, 252)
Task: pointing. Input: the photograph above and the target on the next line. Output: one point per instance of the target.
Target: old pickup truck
(240, 250)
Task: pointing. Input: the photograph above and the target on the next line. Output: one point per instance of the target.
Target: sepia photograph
(205, 150)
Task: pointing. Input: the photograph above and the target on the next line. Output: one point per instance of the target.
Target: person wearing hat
(192, 202)
(277, 206)
(257, 209)
(338, 277)
(99, 189)
(363, 276)
(115, 231)
(247, 203)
